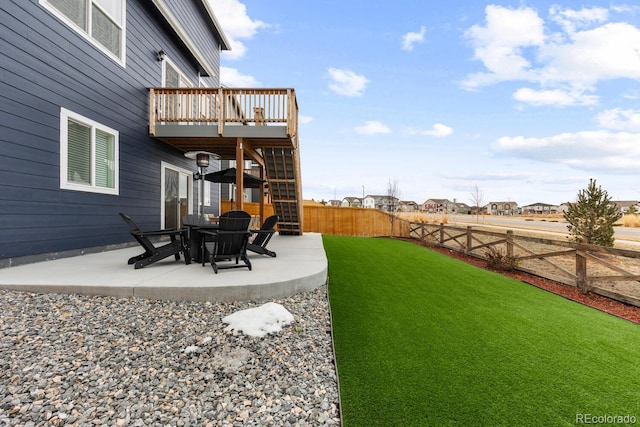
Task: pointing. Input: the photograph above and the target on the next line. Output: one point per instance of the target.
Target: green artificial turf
(426, 340)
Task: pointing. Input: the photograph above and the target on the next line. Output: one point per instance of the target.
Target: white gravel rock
(81, 360)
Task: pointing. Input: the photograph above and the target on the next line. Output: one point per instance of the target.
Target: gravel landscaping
(80, 360)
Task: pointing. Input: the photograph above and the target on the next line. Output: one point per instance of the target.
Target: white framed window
(172, 76)
(89, 154)
(102, 22)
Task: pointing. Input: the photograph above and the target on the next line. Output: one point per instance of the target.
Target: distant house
(539, 209)
(462, 208)
(624, 205)
(502, 208)
(407, 206)
(384, 202)
(352, 202)
(443, 206)
(336, 203)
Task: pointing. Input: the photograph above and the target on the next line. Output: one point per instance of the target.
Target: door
(177, 195)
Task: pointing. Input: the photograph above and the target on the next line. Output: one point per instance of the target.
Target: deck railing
(220, 106)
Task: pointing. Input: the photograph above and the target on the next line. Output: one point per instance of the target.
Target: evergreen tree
(592, 216)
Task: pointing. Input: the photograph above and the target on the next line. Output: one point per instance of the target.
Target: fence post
(510, 243)
(441, 234)
(469, 242)
(422, 231)
(581, 268)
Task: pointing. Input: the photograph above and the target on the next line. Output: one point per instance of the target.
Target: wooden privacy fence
(342, 221)
(348, 221)
(610, 272)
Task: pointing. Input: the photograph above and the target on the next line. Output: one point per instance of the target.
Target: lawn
(423, 339)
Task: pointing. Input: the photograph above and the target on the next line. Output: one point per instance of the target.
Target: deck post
(261, 189)
(152, 112)
(581, 268)
(221, 111)
(239, 173)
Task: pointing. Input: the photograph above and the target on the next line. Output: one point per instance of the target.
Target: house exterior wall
(369, 202)
(201, 34)
(352, 202)
(45, 66)
(540, 208)
(502, 208)
(407, 206)
(438, 206)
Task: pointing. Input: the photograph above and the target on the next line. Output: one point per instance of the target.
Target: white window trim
(121, 61)
(183, 76)
(65, 115)
(166, 165)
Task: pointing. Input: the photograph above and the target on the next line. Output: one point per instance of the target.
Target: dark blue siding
(45, 65)
(199, 29)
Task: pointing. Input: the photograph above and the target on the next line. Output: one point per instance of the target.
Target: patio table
(197, 239)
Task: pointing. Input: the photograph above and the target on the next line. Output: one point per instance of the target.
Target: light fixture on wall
(160, 55)
(202, 159)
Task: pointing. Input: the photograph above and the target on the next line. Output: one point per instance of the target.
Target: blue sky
(527, 100)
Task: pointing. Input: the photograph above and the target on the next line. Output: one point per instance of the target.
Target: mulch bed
(605, 304)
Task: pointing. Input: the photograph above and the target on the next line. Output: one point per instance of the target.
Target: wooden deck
(261, 124)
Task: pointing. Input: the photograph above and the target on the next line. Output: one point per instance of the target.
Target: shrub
(498, 260)
(592, 217)
(632, 220)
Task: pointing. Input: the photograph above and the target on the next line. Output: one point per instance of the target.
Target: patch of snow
(191, 349)
(259, 321)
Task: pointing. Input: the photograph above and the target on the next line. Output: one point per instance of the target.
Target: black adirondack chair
(229, 242)
(153, 253)
(193, 223)
(261, 237)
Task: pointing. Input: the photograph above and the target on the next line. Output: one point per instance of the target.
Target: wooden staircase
(283, 175)
(233, 123)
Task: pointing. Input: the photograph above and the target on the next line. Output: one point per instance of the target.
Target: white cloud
(372, 128)
(625, 8)
(410, 39)
(499, 44)
(555, 97)
(567, 64)
(618, 153)
(570, 19)
(606, 52)
(438, 130)
(304, 119)
(231, 77)
(236, 24)
(618, 119)
(347, 83)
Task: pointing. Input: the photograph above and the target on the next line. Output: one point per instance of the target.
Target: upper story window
(88, 155)
(102, 22)
(172, 76)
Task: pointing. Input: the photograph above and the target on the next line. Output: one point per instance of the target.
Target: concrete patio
(301, 265)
